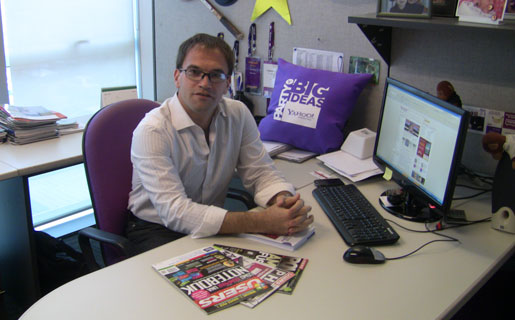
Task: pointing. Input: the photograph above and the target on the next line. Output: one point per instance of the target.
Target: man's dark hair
(209, 42)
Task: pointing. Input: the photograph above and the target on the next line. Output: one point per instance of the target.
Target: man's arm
(287, 215)
(273, 200)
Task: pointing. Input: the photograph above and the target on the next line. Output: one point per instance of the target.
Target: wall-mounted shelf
(378, 30)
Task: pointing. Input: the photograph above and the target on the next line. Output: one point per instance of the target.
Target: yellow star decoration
(281, 6)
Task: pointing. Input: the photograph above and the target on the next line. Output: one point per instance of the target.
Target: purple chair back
(106, 148)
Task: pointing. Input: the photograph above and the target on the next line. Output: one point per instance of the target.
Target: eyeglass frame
(208, 74)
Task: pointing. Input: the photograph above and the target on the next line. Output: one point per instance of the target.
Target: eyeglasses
(197, 75)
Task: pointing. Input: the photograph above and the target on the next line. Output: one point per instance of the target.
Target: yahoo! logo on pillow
(300, 114)
(305, 93)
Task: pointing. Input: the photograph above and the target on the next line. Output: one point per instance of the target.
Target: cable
(473, 196)
(473, 187)
(466, 223)
(422, 246)
(428, 230)
(474, 175)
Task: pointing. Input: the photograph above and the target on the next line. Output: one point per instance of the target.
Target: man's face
(401, 3)
(201, 97)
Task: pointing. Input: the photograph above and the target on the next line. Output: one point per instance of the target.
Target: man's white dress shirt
(180, 181)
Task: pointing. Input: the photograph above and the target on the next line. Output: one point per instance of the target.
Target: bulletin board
(320, 25)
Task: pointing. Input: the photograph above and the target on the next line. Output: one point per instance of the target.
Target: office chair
(106, 148)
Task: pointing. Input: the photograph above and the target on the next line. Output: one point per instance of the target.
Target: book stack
(3, 135)
(219, 276)
(68, 126)
(274, 148)
(287, 152)
(29, 124)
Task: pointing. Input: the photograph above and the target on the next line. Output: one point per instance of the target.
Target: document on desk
(349, 166)
(274, 148)
(296, 155)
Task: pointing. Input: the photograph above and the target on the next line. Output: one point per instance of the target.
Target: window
(60, 54)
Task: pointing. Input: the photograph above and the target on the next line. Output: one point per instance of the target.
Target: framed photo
(482, 11)
(444, 8)
(365, 65)
(404, 8)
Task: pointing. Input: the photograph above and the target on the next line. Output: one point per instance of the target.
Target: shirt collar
(181, 120)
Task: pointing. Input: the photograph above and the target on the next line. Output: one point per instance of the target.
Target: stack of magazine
(220, 276)
(287, 152)
(29, 124)
(3, 135)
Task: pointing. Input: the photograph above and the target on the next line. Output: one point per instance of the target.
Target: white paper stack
(296, 155)
(350, 166)
(274, 148)
(354, 160)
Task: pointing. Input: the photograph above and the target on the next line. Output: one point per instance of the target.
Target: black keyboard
(357, 221)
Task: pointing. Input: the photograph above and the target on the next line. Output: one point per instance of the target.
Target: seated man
(185, 153)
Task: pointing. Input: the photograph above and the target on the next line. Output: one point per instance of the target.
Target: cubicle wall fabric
(309, 107)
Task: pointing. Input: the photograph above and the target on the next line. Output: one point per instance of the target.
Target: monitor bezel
(403, 181)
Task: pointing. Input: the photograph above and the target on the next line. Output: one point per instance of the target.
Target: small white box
(360, 143)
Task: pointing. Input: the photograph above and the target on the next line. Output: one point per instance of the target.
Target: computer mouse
(363, 254)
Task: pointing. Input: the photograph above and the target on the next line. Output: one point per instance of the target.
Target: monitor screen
(420, 139)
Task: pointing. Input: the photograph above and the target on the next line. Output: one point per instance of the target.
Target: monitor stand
(406, 206)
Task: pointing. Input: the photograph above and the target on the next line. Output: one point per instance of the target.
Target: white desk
(7, 172)
(434, 283)
(34, 158)
(17, 164)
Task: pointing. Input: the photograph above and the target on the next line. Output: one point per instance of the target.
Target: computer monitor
(420, 138)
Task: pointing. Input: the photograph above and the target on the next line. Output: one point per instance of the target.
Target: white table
(17, 164)
(433, 283)
(7, 172)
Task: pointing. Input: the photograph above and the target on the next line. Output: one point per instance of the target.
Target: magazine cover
(36, 113)
(210, 279)
(286, 263)
(273, 277)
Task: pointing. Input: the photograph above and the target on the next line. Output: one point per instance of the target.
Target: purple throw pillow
(309, 107)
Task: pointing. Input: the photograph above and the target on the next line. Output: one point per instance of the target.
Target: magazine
(36, 113)
(296, 155)
(210, 279)
(273, 277)
(274, 148)
(27, 115)
(290, 243)
(286, 263)
(29, 124)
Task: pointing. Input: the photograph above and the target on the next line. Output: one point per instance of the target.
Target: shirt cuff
(211, 224)
(262, 197)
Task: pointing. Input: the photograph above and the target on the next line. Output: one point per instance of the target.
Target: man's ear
(228, 84)
(176, 75)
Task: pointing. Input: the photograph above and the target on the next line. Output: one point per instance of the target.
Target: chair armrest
(90, 233)
(242, 196)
